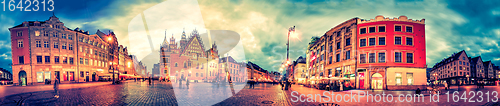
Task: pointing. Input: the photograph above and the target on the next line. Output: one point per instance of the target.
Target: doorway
(377, 81)
(22, 78)
(94, 76)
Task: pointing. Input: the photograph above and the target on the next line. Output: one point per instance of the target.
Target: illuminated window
(409, 77)
(39, 76)
(398, 79)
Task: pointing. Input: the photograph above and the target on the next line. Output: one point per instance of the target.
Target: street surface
(163, 93)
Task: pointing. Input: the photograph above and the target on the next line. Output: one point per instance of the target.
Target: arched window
(185, 65)
(175, 64)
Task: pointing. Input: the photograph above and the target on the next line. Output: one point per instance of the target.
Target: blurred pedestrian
(187, 83)
(180, 83)
(56, 87)
(418, 91)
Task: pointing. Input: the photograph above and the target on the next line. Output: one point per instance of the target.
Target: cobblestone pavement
(10, 90)
(161, 93)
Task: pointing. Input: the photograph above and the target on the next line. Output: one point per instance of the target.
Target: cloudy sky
(451, 26)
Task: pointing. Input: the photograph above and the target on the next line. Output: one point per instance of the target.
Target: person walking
(56, 87)
(180, 83)
(187, 83)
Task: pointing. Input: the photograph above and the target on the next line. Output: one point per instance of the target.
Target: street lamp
(290, 30)
(112, 61)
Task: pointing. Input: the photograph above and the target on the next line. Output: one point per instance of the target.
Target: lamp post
(113, 58)
(291, 29)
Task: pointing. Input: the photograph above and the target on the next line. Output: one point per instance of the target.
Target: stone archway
(22, 78)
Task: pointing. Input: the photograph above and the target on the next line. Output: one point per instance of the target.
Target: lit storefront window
(39, 76)
(47, 75)
(398, 78)
(409, 76)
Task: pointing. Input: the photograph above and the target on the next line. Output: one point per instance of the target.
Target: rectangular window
(19, 33)
(362, 58)
(381, 57)
(21, 59)
(63, 36)
(55, 35)
(81, 74)
(397, 40)
(409, 41)
(371, 57)
(362, 31)
(56, 45)
(347, 41)
(38, 43)
(330, 60)
(47, 75)
(397, 56)
(338, 57)
(338, 45)
(409, 29)
(348, 54)
(81, 60)
(397, 28)
(70, 47)
(409, 77)
(63, 46)
(71, 60)
(338, 33)
(381, 28)
(56, 59)
(46, 44)
(409, 57)
(372, 29)
(47, 59)
(371, 41)
(381, 41)
(39, 59)
(20, 43)
(86, 61)
(398, 79)
(362, 42)
(70, 37)
(45, 33)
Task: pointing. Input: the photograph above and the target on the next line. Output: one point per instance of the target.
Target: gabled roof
(453, 57)
(475, 59)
